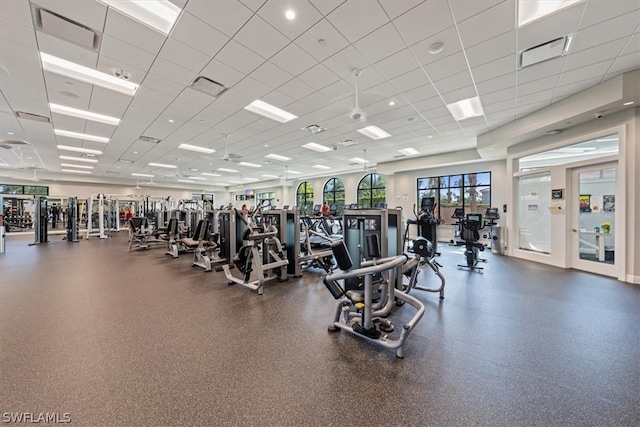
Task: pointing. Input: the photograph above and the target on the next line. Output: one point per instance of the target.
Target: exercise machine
(364, 310)
(41, 221)
(72, 219)
(424, 254)
(198, 243)
(261, 260)
(470, 234)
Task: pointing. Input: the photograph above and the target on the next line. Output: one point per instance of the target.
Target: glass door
(594, 219)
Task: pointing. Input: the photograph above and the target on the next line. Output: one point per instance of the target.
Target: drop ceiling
(304, 66)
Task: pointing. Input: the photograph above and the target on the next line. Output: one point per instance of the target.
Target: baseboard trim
(633, 279)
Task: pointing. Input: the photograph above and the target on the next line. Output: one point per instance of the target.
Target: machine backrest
(200, 232)
(172, 226)
(136, 222)
(373, 246)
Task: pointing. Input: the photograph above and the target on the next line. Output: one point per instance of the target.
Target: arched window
(371, 191)
(333, 192)
(304, 196)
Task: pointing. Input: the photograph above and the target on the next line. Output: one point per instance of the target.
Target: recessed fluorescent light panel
(187, 181)
(83, 114)
(76, 171)
(157, 14)
(530, 10)
(317, 147)
(77, 135)
(196, 148)
(162, 165)
(409, 151)
(277, 157)
(69, 165)
(198, 178)
(227, 170)
(79, 149)
(374, 132)
(249, 165)
(235, 181)
(543, 52)
(266, 175)
(294, 172)
(78, 159)
(70, 69)
(210, 174)
(145, 175)
(466, 108)
(251, 180)
(359, 160)
(269, 111)
(321, 167)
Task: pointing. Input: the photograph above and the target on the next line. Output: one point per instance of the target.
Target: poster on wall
(609, 203)
(585, 203)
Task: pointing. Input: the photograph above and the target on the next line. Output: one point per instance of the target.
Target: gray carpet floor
(113, 338)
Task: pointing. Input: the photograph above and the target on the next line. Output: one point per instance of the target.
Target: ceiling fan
(177, 173)
(357, 113)
(229, 157)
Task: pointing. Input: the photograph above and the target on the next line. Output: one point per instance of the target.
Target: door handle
(574, 230)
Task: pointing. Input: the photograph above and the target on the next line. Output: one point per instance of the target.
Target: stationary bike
(470, 234)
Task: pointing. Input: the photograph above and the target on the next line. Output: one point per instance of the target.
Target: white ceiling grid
(304, 66)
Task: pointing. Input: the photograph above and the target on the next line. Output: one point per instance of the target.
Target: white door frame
(613, 270)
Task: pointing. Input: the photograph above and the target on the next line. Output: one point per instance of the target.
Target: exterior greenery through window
(470, 190)
(371, 191)
(304, 196)
(334, 192)
(35, 190)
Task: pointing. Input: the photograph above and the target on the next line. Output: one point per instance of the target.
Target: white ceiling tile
(316, 100)
(126, 53)
(492, 49)
(448, 37)
(233, 97)
(198, 99)
(160, 84)
(344, 62)
(418, 94)
(534, 98)
(550, 27)
(543, 69)
(17, 11)
(425, 20)
(453, 82)
(459, 94)
(370, 17)
(17, 60)
(100, 129)
(306, 16)
(31, 88)
(498, 96)
(239, 57)
(64, 86)
(65, 50)
(633, 45)
(271, 75)
(225, 16)
(16, 33)
(465, 9)
(598, 11)
(381, 43)
(395, 8)
(395, 65)
(319, 77)
(148, 95)
(108, 102)
(537, 86)
(588, 72)
(253, 4)
(624, 63)
(278, 98)
(133, 32)
(174, 72)
(452, 64)
(409, 81)
(222, 73)
(575, 87)
(606, 31)
(323, 30)
(508, 104)
(602, 52)
(530, 108)
(293, 60)
(183, 55)
(326, 6)
(496, 68)
(488, 24)
(252, 87)
(261, 37)
(499, 83)
(193, 32)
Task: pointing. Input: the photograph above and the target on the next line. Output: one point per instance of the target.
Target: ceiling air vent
(208, 86)
(313, 129)
(125, 161)
(149, 139)
(545, 51)
(8, 144)
(347, 142)
(34, 117)
(66, 29)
